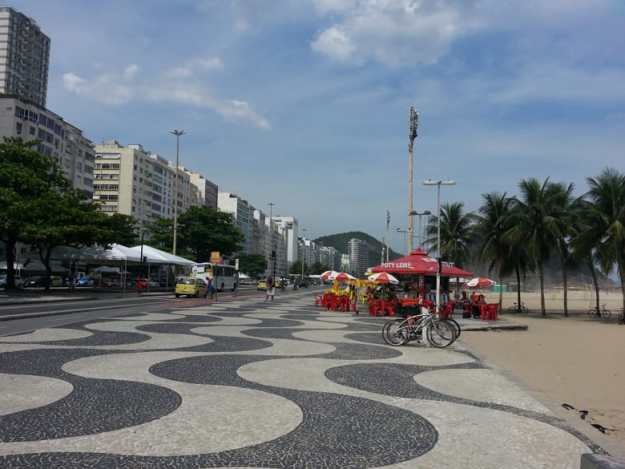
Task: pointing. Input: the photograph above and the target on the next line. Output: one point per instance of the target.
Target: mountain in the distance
(339, 242)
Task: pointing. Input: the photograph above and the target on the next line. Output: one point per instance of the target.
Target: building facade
(24, 57)
(330, 257)
(56, 138)
(358, 251)
(131, 181)
(208, 190)
(243, 215)
(291, 228)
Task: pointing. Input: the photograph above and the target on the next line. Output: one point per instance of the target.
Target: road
(248, 383)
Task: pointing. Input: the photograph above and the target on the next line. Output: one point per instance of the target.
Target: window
(107, 166)
(18, 128)
(32, 131)
(106, 187)
(111, 197)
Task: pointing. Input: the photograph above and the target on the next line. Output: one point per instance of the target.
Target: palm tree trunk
(541, 279)
(500, 293)
(595, 283)
(621, 272)
(518, 288)
(565, 285)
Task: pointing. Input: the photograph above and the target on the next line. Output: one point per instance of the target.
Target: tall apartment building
(56, 138)
(131, 181)
(330, 257)
(243, 214)
(291, 227)
(358, 251)
(276, 249)
(24, 57)
(207, 190)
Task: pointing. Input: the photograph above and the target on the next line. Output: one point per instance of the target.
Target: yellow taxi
(261, 285)
(190, 287)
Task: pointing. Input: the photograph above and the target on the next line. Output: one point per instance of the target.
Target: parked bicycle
(516, 309)
(439, 333)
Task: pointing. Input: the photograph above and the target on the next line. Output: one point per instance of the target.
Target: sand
(578, 361)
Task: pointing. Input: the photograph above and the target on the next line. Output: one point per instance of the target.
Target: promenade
(254, 384)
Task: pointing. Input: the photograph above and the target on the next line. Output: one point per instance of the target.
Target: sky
(304, 103)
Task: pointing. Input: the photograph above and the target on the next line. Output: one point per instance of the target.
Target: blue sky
(304, 102)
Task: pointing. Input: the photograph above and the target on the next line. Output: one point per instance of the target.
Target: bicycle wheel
(441, 334)
(455, 325)
(395, 332)
(606, 313)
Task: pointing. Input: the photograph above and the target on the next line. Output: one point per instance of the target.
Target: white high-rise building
(291, 227)
(56, 138)
(132, 181)
(358, 251)
(243, 214)
(207, 190)
(24, 57)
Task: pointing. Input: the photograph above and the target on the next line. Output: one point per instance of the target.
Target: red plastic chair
(493, 311)
(446, 311)
(484, 312)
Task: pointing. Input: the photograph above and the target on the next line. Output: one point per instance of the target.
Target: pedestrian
(271, 289)
(208, 287)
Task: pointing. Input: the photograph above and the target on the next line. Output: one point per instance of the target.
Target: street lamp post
(438, 185)
(178, 134)
(303, 250)
(272, 251)
(413, 122)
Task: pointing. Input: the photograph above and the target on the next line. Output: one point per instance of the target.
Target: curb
(36, 302)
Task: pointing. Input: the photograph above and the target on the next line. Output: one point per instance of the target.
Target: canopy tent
(156, 256)
(480, 282)
(419, 263)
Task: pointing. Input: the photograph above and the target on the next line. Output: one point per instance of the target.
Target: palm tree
(585, 239)
(606, 215)
(456, 233)
(532, 226)
(559, 221)
(493, 224)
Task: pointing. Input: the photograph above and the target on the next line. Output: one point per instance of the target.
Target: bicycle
(440, 333)
(516, 309)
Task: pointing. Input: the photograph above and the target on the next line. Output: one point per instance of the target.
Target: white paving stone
(22, 392)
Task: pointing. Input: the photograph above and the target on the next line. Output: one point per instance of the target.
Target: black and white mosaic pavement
(271, 385)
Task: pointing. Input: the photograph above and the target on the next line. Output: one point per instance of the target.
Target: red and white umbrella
(327, 275)
(383, 277)
(480, 282)
(342, 277)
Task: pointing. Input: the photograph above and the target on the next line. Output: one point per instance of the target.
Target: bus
(225, 277)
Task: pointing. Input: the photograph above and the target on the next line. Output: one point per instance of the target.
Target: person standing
(271, 289)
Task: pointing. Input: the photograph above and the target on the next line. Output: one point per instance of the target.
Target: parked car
(19, 281)
(261, 285)
(84, 282)
(189, 286)
(39, 281)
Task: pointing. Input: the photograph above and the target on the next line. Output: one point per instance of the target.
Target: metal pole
(412, 135)
(388, 223)
(438, 249)
(271, 251)
(177, 133)
(304, 245)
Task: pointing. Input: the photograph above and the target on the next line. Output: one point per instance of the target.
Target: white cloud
(393, 31)
(176, 85)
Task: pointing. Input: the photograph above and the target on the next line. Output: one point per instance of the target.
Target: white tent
(156, 256)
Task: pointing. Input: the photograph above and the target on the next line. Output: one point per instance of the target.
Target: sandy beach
(577, 361)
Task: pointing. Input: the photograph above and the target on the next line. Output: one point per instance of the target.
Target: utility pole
(388, 224)
(438, 185)
(413, 121)
(178, 134)
(272, 250)
(303, 250)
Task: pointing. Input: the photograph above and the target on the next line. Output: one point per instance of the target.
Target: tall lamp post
(413, 122)
(419, 230)
(178, 134)
(438, 184)
(272, 250)
(399, 230)
(303, 250)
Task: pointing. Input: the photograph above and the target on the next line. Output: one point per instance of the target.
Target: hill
(339, 242)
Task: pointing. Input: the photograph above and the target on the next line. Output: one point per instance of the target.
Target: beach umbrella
(383, 277)
(480, 282)
(327, 275)
(342, 277)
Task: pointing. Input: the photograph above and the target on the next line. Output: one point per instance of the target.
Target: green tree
(494, 222)
(26, 178)
(606, 214)
(296, 269)
(65, 219)
(124, 228)
(160, 234)
(204, 229)
(456, 233)
(534, 224)
(317, 268)
(253, 265)
(560, 224)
